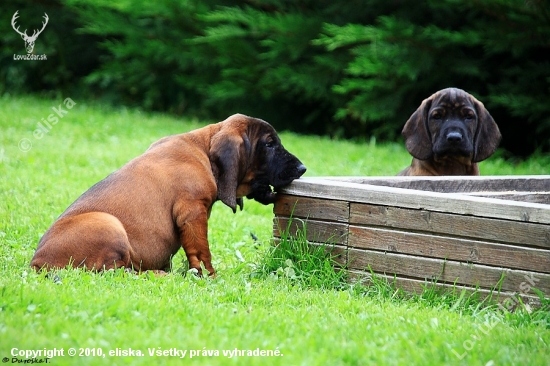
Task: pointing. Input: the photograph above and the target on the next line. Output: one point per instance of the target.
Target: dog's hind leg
(94, 240)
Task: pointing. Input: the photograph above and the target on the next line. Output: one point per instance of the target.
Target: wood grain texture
(503, 231)
(448, 271)
(431, 201)
(535, 197)
(312, 208)
(460, 249)
(458, 184)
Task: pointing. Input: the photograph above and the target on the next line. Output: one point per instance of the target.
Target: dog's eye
(269, 144)
(470, 116)
(437, 116)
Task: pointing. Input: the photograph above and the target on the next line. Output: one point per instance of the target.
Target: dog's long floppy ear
(487, 135)
(417, 137)
(228, 160)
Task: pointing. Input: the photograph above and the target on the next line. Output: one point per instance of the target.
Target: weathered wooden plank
(312, 208)
(448, 271)
(458, 184)
(431, 201)
(464, 250)
(535, 197)
(418, 286)
(503, 231)
(314, 231)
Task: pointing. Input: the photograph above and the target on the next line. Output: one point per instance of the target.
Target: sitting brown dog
(139, 216)
(449, 134)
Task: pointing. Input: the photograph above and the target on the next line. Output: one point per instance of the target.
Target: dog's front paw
(197, 272)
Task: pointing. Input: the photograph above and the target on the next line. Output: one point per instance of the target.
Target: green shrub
(349, 69)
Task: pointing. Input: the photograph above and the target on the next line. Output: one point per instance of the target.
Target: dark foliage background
(353, 69)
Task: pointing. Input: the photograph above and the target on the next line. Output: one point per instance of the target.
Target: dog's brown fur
(449, 134)
(139, 216)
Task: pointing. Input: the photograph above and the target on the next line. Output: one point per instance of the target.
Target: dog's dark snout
(301, 169)
(454, 137)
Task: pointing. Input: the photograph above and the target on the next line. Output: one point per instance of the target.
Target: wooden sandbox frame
(484, 233)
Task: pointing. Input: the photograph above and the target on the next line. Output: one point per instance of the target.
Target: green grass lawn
(299, 324)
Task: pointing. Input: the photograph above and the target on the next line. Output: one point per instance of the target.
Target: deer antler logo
(29, 41)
